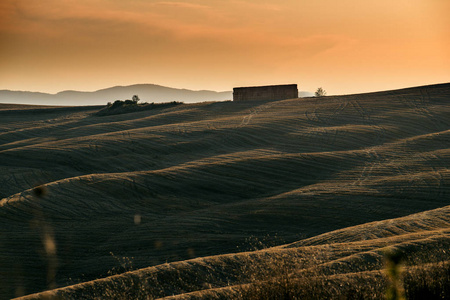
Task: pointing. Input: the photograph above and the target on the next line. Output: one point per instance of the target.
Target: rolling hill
(179, 195)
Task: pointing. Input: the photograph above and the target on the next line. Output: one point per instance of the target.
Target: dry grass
(349, 270)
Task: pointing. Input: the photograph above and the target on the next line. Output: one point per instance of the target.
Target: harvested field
(176, 195)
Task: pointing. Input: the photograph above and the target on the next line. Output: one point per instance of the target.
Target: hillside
(350, 265)
(150, 188)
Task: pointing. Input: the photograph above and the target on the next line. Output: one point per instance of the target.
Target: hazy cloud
(259, 5)
(183, 5)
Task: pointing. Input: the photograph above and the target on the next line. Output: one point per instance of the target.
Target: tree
(135, 99)
(320, 92)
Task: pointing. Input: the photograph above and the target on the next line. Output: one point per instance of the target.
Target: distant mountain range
(146, 92)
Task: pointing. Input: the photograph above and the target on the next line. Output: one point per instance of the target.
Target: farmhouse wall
(271, 92)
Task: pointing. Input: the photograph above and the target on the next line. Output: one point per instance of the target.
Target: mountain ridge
(147, 93)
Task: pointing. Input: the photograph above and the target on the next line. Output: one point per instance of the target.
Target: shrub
(117, 103)
(320, 92)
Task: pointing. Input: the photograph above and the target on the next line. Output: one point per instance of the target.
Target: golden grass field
(225, 199)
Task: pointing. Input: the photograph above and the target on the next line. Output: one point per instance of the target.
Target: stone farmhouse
(270, 92)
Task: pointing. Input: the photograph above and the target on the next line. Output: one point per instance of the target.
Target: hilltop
(175, 194)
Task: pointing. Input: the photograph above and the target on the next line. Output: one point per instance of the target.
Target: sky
(345, 46)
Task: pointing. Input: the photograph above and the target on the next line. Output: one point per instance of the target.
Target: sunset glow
(344, 46)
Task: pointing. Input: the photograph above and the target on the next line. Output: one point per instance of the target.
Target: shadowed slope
(344, 261)
(199, 179)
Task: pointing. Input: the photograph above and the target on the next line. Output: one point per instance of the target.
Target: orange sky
(345, 46)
